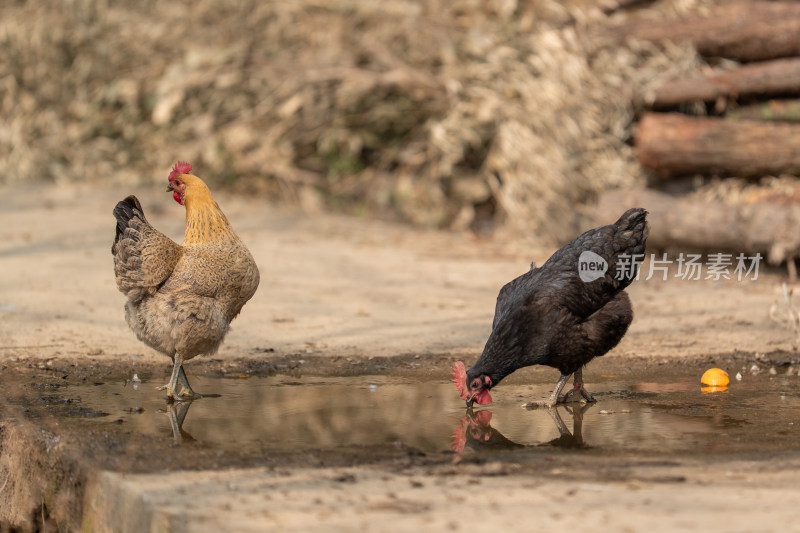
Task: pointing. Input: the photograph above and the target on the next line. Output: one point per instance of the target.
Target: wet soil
(283, 415)
(63, 424)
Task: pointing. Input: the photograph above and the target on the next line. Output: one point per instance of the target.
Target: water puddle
(283, 414)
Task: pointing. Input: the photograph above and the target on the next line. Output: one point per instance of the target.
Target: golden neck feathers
(205, 221)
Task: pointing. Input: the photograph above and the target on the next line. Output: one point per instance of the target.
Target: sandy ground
(329, 285)
(333, 288)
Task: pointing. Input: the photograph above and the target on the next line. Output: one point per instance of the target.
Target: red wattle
(483, 397)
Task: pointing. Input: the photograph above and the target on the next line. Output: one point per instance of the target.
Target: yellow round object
(715, 377)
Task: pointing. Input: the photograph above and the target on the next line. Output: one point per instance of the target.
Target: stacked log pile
(740, 119)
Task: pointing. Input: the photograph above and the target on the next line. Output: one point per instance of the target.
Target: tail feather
(633, 218)
(632, 230)
(629, 242)
(125, 211)
(143, 257)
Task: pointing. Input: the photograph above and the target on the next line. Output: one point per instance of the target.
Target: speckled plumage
(549, 316)
(182, 298)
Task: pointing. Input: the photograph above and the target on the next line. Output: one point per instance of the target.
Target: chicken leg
(177, 414)
(179, 376)
(567, 438)
(555, 396)
(578, 392)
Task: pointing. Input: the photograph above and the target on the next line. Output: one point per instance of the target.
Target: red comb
(459, 374)
(459, 438)
(181, 167)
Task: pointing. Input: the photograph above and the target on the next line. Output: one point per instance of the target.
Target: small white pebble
(790, 371)
(136, 379)
(754, 369)
(605, 412)
(373, 387)
(738, 376)
(772, 371)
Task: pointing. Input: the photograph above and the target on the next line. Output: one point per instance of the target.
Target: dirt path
(329, 286)
(338, 289)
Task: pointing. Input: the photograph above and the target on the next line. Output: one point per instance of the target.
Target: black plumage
(552, 316)
(124, 212)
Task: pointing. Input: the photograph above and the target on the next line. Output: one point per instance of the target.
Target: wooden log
(672, 144)
(781, 76)
(773, 110)
(745, 31)
(691, 225)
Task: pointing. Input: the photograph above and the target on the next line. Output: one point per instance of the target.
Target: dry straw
(507, 115)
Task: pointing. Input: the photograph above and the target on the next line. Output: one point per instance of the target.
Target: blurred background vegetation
(504, 116)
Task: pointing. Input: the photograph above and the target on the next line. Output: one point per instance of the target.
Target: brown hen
(182, 298)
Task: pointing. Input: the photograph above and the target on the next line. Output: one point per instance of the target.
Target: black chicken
(476, 432)
(563, 314)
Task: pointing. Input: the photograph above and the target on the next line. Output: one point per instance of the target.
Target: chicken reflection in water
(475, 431)
(176, 412)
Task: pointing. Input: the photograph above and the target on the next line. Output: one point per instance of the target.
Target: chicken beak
(470, 402)
(169, 188)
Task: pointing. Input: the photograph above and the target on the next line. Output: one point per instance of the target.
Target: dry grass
(509, 114)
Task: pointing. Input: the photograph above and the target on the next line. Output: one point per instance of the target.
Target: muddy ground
(342, 296)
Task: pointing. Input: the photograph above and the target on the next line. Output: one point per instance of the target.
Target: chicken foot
(556, 397)
(179, 376)
(578, 392)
